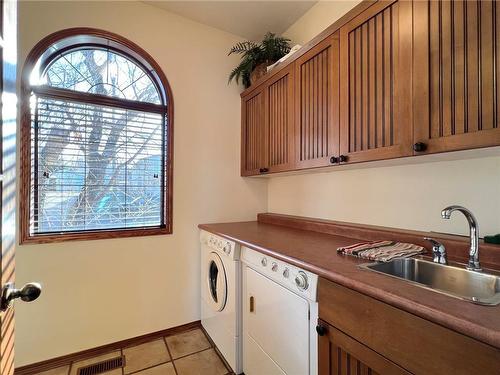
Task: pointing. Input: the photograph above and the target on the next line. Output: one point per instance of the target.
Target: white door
(275, 322)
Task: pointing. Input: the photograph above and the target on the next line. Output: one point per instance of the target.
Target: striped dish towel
(381, 251)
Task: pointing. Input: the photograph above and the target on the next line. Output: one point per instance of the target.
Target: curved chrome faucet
(473, 264)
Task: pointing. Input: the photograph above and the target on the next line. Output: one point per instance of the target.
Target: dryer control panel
(293, 278)
(220, 244)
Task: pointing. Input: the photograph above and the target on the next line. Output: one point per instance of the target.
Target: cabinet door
(456, 62)
(340, 354)
(375, 83)
(279, 140)
(317, 103)
(252, 133)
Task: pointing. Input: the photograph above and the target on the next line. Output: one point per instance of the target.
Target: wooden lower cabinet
(362, 332)
(340, 354)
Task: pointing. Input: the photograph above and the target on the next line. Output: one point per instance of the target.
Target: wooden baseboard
(64, 360)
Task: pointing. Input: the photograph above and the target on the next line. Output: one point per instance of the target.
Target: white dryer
(220, 296)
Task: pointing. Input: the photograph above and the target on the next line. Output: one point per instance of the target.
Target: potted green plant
(256, 57)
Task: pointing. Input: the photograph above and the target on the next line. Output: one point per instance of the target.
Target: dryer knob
(263, 262)
(301, 281)
(274, 267)
(286, 273)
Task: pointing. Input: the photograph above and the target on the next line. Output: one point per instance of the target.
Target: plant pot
(258, 72)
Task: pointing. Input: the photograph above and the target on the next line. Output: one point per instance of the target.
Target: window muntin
(97, 165)
(101, 71)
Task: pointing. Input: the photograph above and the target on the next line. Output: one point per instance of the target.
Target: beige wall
(318, 18)
(406, 196)
(96, 292)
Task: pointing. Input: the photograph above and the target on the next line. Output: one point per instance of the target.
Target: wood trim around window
(25, 146)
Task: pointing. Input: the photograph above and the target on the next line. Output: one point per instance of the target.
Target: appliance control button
(286, 273)
(263, 262)
(301, 280)
(274, 267)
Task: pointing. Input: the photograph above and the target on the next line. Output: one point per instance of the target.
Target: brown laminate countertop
(316, 252)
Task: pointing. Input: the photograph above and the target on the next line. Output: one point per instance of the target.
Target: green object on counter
(492, 239)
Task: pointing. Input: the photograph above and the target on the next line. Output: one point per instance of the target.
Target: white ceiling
(249, 19)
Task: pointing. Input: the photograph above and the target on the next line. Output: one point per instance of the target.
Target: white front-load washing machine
(220, 296)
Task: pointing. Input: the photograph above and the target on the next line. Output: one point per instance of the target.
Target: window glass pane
(95, 167)
(103, 72)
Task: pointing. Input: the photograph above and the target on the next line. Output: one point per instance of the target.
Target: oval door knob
(27, 293)
(30, 292)
(321, 330)
(419, 147)
(264, 170)
(343, 158)
(334, 160)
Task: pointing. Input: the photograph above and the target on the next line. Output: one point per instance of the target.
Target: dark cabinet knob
(264, 170)
(343, 158)
(419, 147)
(321, 330)
(334, 160)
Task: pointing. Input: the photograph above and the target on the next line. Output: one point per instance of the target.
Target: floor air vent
(99, 368)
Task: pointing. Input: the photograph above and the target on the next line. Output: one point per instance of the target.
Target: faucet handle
(433, 242)
(438, 251)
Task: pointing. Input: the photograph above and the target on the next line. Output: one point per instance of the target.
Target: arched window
(97, 140)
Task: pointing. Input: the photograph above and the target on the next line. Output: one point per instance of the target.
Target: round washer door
(216, 282)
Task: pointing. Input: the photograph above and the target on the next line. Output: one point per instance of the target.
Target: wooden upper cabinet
(268, 127)
(252, 133)
(398, 78)
(279, 137)
(316, 104)
(375, 83)
(456, 73)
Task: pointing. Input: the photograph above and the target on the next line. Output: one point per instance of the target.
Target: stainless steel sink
(476, 287)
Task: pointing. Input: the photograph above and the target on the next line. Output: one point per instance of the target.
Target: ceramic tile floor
(187, 353)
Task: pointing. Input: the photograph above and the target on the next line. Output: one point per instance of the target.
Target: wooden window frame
(25, 138)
